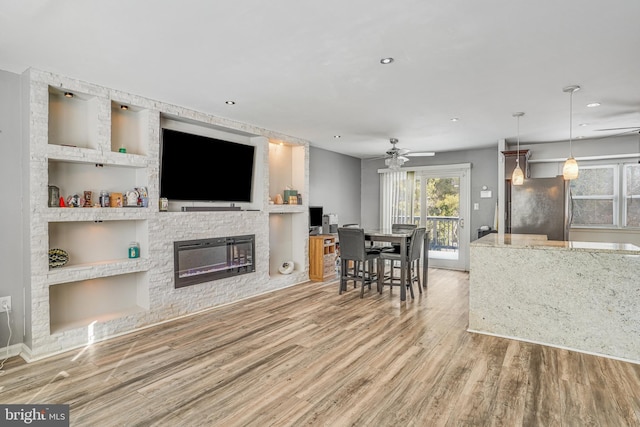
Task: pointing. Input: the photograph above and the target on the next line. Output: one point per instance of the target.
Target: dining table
(401, 237)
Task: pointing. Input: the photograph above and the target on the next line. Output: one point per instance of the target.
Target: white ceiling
(312, 69)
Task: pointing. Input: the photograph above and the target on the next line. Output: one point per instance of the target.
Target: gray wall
(484, 171)
(11, 240)
(334, 184)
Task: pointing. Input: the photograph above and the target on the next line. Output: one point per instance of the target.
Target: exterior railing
(443, 231)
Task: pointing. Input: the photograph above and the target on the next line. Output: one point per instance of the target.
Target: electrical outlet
(5, 301)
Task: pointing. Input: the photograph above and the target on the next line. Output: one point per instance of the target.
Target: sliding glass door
(444, 209)
(435, 197)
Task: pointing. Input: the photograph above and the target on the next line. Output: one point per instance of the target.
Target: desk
(400, 237)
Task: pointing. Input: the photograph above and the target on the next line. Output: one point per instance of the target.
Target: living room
(101, 294)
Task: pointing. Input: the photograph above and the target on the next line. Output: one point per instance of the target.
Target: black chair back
(352, 243)
(415, 247)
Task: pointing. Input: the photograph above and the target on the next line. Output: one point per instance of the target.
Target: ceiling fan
(396, 157)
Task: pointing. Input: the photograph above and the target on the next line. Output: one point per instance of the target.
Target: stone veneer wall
(164, 301)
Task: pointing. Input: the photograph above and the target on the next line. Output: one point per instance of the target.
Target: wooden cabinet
(322, 257)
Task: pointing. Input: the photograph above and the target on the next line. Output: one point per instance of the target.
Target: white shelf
(286, 209)
(68, 154)
(94, 270)
(96, 214)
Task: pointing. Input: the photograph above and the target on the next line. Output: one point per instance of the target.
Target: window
(632, 195)
(594, 196)
(607, 196)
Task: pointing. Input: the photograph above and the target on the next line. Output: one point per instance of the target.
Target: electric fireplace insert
(204, 260)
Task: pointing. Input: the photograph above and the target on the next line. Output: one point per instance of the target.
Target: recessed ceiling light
(455, 119)
(230, 102)
(68, 94)
(386, 60)
(593, 104)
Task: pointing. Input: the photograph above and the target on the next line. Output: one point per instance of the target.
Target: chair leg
(409, 280)
(343, 276)
(380, 275)
(418, 275)
(362, 278)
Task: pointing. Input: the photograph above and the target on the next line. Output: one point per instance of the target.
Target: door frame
(463, 172)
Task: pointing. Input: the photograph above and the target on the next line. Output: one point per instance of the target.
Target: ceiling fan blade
(632, 127)
(421, 154)
(403, 158)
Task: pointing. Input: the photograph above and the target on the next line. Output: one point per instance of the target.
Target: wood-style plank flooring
(308, 356)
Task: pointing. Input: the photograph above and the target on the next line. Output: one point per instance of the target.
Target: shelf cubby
(100, 241)
(285, 243)
(78, 304)
(286, 169)
(129, 128)
(73, 177)
(73, 120)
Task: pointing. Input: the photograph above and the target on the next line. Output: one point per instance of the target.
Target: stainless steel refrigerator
(540, 206)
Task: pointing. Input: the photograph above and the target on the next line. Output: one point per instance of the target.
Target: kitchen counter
(539, 241)
(583, 296)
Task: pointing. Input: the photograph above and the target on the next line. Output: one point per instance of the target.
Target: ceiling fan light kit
(570, 168)
(396, 157)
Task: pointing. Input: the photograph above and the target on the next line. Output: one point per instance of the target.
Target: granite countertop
(539, 241)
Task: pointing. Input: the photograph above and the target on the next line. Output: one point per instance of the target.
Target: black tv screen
(200, 168)
(315, 216)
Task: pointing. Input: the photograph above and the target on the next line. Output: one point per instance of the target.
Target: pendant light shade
(517, 177)
(570, 168)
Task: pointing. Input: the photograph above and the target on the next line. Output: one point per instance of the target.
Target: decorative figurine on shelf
(54, 197)
(122, 149)
(104, 199)
(132, 198)
(73, 201)
(164, 204)
(286, 267)
(115, 200)
(87, 199)
(61, 203)
(279, 200)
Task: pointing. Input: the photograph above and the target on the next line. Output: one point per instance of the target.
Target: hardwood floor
(308, 356)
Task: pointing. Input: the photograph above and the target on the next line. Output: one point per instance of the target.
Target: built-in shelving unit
(81, 137)
(92, 145)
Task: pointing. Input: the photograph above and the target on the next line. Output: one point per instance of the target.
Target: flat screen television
(315, 216)
(200, 168)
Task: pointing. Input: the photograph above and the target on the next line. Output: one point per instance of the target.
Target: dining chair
(395, 247)
(411, 263)
(353, 247)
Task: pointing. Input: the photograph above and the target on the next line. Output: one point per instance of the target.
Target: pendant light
(570, 168)
(517, 177)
